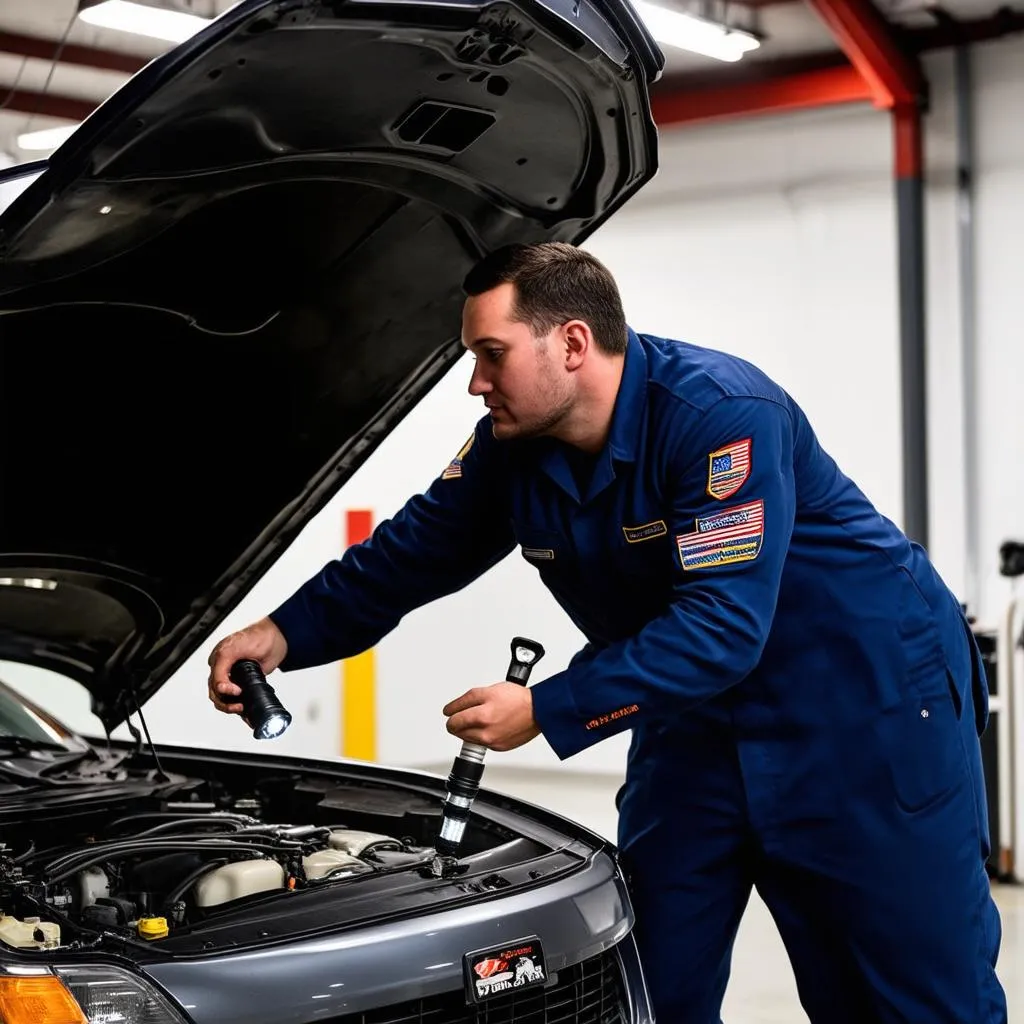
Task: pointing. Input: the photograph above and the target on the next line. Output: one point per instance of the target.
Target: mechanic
(804, 693)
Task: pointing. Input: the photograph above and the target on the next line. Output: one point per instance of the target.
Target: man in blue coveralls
(804, 692)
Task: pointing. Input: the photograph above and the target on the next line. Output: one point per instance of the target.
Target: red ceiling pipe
(863, 34)
(842, 84)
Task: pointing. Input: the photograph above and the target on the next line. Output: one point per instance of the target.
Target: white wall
(774, 238)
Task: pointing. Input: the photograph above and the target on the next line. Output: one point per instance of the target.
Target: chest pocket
(644, 552)
(546, 550)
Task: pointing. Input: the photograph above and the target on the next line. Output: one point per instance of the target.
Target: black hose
(190, 879)
(243, 819)
(173, 842)
(236, 823)
(171, 826)
(68, 866)
(22, 857)
(96, 852)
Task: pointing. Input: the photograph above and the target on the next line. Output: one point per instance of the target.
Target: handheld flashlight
(468, 768)
(263, 710)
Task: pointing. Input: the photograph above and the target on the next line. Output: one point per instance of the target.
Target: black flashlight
(263, 711)
(468, 768)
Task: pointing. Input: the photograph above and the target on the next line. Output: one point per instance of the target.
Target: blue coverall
(804, 692)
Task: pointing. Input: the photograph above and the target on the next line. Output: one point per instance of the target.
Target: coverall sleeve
(728, 554)
(435, 545)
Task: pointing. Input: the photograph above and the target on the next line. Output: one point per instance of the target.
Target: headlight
(95, 994)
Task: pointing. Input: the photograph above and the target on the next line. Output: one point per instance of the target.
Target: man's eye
(494, 354)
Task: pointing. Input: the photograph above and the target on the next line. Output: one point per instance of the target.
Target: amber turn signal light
(40, 999)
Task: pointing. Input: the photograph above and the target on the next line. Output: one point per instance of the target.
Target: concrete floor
(762, 989)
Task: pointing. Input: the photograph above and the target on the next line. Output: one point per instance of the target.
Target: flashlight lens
(273, 726)
(525, 655)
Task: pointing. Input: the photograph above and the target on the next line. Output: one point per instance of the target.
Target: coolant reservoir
(233, 881)
(92, 884)
(333, 862)
(30, 933)
(357, 843)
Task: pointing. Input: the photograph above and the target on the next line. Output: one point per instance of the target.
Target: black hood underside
(245, 268)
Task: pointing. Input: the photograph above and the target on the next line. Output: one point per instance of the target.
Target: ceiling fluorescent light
(142, 19)
(688, 32)
(45, 138)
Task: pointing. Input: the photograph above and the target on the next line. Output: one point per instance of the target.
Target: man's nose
(478, 383)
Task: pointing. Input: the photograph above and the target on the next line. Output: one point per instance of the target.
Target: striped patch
(635, 534)
(454, 468)
(732, 535)
(728, 469)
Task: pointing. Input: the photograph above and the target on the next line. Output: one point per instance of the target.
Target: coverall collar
(624, 436)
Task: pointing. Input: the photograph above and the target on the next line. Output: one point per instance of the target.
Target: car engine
(144, 875)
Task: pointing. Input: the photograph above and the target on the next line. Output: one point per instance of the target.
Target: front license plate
(513, 967)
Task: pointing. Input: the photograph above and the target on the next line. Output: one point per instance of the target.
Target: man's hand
(262, 642)
(499, 717)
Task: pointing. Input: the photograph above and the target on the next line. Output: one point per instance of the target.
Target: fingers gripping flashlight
(468, 767)
(262, 710)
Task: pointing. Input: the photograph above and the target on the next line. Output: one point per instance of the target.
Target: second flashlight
(468, 768)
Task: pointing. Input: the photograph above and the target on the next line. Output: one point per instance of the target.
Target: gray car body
(576, 918)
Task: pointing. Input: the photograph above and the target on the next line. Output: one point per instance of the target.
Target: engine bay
(194, 855)
(153, 872)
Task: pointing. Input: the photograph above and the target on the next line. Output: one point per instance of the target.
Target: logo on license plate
(508, 968)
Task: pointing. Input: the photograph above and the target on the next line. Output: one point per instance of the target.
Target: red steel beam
(25, 102)
(868, 40)
(85, 56)
(842, 84)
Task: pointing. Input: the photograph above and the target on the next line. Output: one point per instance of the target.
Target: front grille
(586, 993)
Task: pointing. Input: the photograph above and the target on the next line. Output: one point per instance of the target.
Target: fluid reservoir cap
(153, 927)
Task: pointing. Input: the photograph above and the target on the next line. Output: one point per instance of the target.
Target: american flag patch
(732, 535)
(728, 469)
(454, 468)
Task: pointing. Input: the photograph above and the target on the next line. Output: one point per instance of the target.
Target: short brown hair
(555, 282)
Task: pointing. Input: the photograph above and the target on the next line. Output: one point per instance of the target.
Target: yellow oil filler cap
(153, 927)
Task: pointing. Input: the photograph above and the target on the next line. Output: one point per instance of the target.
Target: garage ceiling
(54, 68)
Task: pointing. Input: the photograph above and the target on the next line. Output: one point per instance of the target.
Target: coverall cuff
(556, 714)
(304, 644)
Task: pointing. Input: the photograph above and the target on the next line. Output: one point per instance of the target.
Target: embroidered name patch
(540, 554)
(612, 716)
(728, 469)
(635, 534)
(732, 535)
(454, 468)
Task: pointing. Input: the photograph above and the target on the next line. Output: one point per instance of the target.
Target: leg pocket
(921, 742)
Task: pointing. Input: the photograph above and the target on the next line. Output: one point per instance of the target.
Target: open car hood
(245, 268)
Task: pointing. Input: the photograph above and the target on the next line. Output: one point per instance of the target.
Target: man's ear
(578, 342)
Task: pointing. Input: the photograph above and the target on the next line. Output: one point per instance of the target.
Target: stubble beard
(541, 425)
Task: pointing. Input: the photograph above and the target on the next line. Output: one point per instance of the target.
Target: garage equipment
(468, 768)
(1002, 651)
(262, 710)
(1007, 708)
